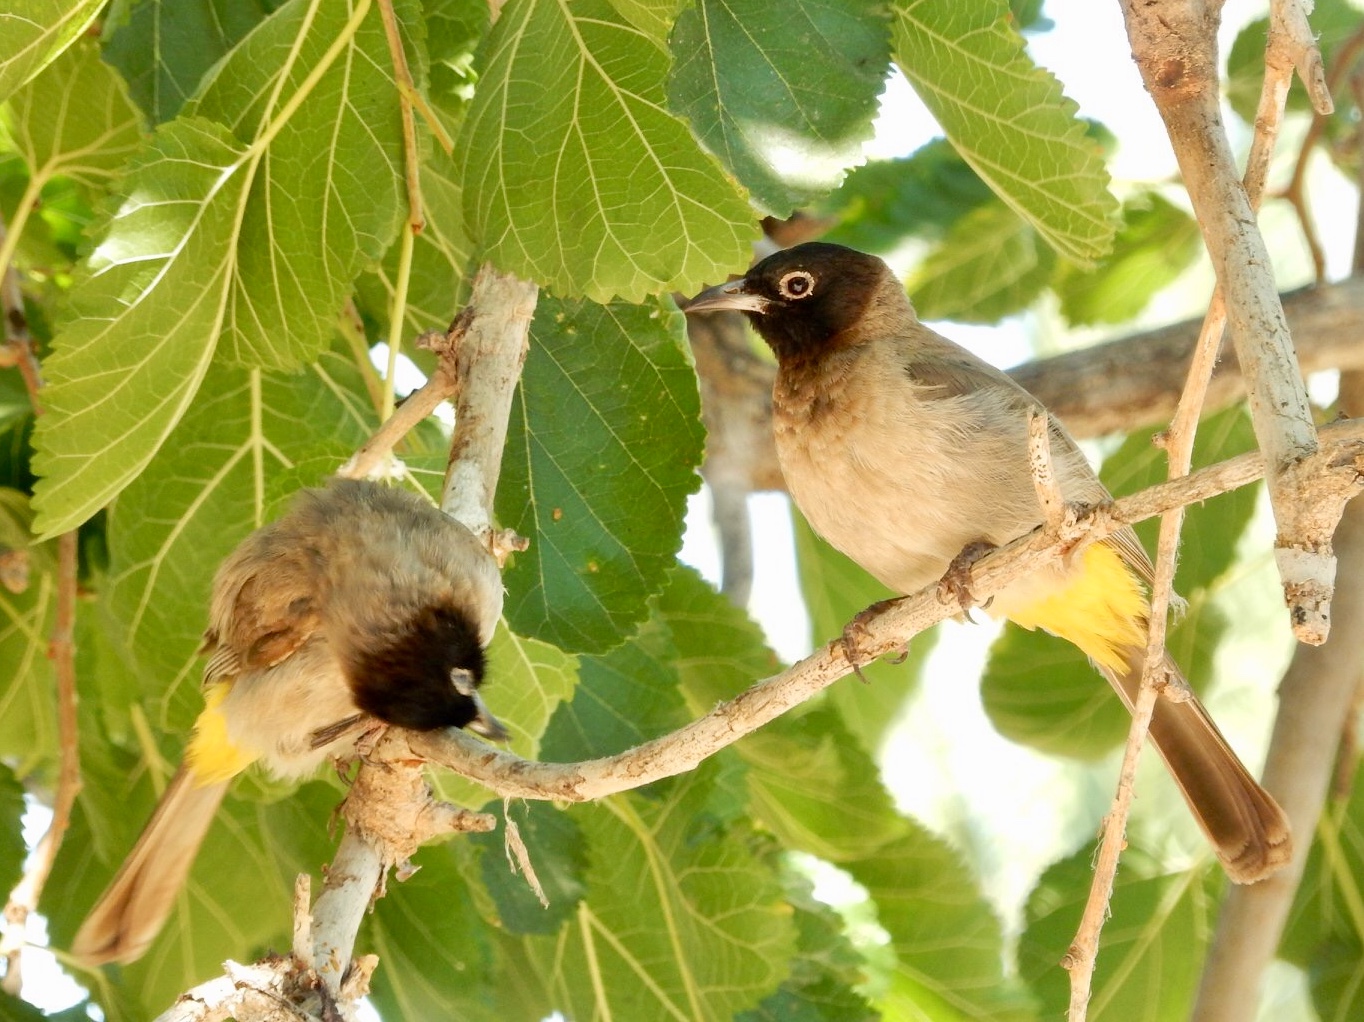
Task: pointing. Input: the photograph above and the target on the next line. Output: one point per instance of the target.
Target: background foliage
(203, 202)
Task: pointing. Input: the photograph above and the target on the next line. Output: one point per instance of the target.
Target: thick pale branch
(1174, 43)
(508, 775)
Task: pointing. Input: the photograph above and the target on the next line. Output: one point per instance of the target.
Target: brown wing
(266, 604)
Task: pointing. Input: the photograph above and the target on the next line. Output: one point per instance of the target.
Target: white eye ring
(797, 284)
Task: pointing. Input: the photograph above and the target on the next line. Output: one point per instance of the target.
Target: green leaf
(1157, 242)
(163, 49)
(327, 201)
(436, 964)
(835, 591)
(1337, 982)
(200, 241)
(946, 938)
(576, 176)
(228, 467)
(75, 120)
(825, 971)
(27, 685)
(991, 264)
(1328, 910)
(817, 790)
(557, 851)
(33, 33)
(597, 469)
(146, 316)
(787, 102)
(1153, 946)
(887, 202)
(12, 849)
(623, 698)
(1008, 119)
(683, 919)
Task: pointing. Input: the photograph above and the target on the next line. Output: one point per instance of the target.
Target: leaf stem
(396, 319)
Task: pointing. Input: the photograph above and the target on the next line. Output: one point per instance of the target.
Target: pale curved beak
(484, 723)
(733, 296)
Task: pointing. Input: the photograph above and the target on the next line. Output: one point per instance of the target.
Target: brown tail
(129, 914)
(1247, 828)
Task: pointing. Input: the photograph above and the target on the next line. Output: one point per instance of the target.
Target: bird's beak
(484, 723)
(734, 295)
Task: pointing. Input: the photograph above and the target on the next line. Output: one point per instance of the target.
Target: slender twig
(352, 331)
(440, 386)
(1296, 190)
(397, 315)
(1317, 697)
(402, 74)
(23, 899)
(1178, 442)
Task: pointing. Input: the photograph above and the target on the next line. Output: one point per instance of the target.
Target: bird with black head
(903, 449)
(362, 604)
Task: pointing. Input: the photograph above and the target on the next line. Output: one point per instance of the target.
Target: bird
(904, 450)
(363, 603)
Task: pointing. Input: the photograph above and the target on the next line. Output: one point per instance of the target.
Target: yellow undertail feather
(211, 756)
(1101, 609)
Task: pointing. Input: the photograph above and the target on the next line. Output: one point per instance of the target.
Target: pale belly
(904, 508)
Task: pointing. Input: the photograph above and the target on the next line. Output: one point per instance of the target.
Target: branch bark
(1174, 43)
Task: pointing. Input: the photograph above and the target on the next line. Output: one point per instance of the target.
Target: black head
(807, 299)
(426, 676)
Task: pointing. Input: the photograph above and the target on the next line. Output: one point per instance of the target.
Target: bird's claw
(955, 585)
(855, 635)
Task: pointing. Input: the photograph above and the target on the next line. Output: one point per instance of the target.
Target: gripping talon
(955, 585)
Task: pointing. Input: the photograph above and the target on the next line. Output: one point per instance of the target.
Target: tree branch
(510, 776)
(1174, 43)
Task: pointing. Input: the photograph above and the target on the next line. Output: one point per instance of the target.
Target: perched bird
(903, 449)
(361, 602)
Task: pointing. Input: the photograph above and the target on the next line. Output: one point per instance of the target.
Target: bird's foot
(955, 585)
(855, 636)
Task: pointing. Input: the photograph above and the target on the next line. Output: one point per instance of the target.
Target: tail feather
(131, 911)
(1248, 830)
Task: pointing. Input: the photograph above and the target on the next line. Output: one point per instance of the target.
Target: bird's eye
(797, 284)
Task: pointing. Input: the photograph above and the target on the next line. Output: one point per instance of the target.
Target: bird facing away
(361, 602)
(902, 449)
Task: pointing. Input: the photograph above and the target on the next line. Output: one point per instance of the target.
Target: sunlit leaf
(1008, 118)
(607, 194)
